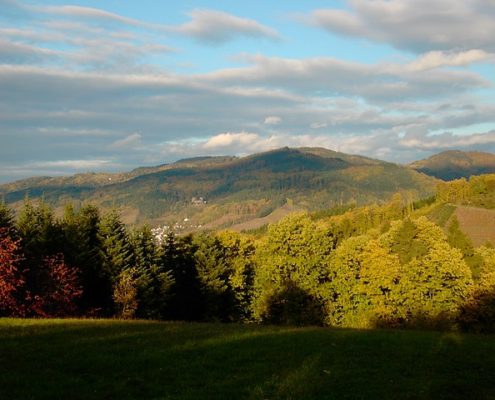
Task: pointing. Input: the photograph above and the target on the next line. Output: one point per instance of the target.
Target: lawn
(106, 359)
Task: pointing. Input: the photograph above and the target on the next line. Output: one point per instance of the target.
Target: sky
(110, 85)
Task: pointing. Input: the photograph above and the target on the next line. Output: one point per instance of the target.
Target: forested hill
(233, 190)
(455, 164)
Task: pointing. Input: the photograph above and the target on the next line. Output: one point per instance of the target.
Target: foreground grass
(85, 359)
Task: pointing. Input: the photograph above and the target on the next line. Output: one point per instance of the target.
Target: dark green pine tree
(41, 237)
(186, 301)
(83, 249)
(40, 234)
(214, 274)
(146, 253)
(116, 247)
(153, 281)
(406, 245)
(6, 218)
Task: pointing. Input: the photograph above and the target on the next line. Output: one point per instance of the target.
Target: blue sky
(111, 85)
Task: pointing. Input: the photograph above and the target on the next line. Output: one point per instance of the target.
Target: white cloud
(129, 142)
(67, 133)
(400, 144)
(326, 76)
(230, 139)
(436, 59)
(215, 27)
(71, 164)
(92, 13)
(419, 25)
(19, 53)
(447, 140)
(272, 120)
(85, 81)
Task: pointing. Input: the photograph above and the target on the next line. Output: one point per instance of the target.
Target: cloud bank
(86, 88)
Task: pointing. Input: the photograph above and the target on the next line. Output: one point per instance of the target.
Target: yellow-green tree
(239, 251)
(436, 280)
(341, 297)
(292, 260)
(478, 313)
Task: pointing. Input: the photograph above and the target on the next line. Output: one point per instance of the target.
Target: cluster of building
(160, 233)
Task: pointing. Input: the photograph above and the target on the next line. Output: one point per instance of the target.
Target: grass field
(477, 223)
(84, 359)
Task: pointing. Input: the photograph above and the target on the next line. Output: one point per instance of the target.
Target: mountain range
(233, 190)
(455, 164)
(249, 191)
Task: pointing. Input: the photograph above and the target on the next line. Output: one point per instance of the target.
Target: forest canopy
(389, 265)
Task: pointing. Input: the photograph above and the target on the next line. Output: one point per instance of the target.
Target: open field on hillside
(477, 223)
(273, 217)
(87, 359)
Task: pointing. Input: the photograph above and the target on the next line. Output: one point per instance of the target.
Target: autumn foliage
(47, 290)
(11, 277)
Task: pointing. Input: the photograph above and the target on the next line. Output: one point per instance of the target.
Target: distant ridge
(455, 164)
(235, 189)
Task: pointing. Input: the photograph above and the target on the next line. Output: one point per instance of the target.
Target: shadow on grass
(128, 360)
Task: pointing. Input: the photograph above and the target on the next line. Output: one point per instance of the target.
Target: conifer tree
(152, 281)
(186, 301)
(40, 234)
(84, 249)
(116, 246)
(214, 273)
(40, 238)
(6, 218)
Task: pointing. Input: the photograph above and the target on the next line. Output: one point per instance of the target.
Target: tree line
(379, 265)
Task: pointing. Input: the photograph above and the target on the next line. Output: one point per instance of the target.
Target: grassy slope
(148, 360)
(477, 223)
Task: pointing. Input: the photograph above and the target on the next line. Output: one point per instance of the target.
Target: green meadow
(112, 359)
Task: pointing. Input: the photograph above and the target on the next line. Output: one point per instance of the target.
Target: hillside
(450, 165)
(235, 190)
(112, 359)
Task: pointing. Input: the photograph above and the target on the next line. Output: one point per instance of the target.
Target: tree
(6, 218)
(295, 253)
(239, 252)
(478, 312)
(125, 294)
(61, 289)
(152, 281)
(117, 250)
(83, 247)
(214, 272)
(186, 300)
(436, 280)
(12, 281)
(342, 298)
(40, 234)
